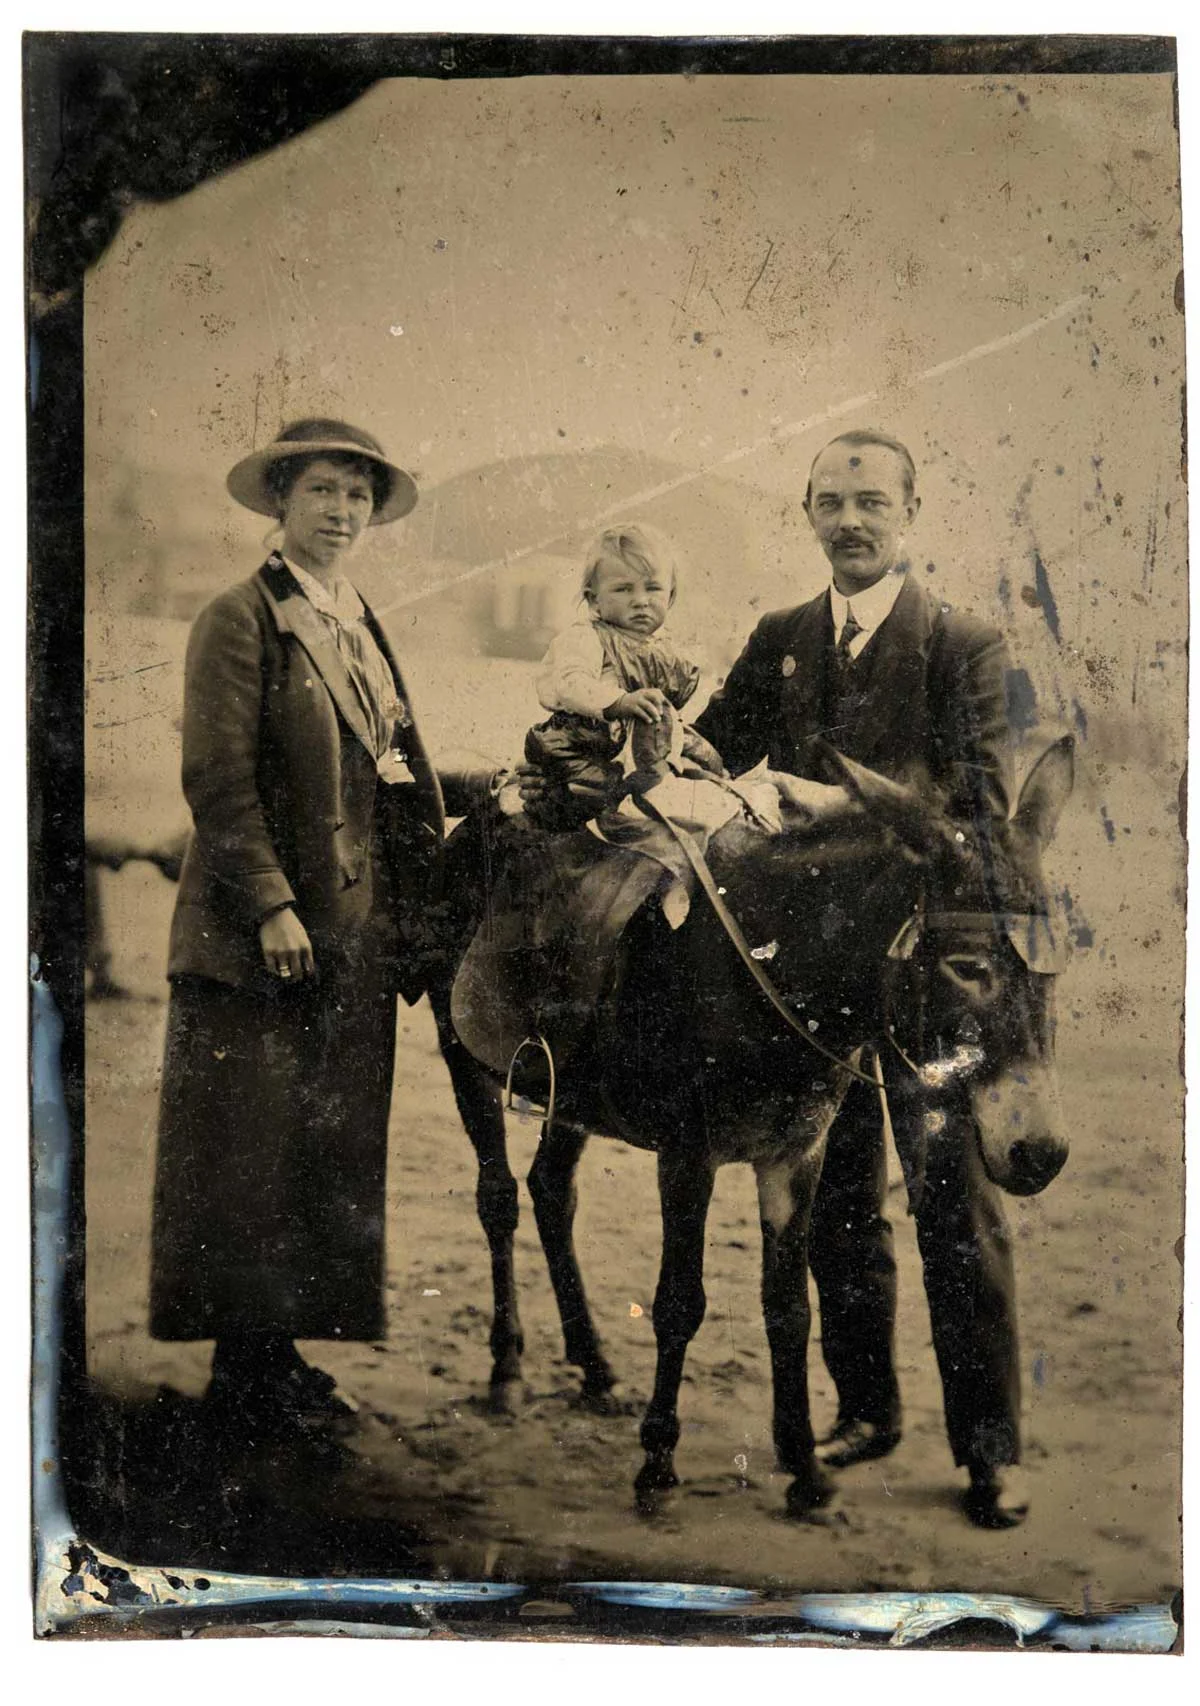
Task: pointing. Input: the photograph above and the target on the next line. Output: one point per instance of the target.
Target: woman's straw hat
(247, 482)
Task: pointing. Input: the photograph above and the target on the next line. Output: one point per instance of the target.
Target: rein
(890, 1034)
(733, 930)
(919, 923)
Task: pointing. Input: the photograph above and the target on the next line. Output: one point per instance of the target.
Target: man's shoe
(997, 1496)
(854, 1440)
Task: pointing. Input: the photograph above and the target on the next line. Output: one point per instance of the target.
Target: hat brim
(247, 481)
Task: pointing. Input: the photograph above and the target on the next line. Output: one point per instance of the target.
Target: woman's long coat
(269, 1196)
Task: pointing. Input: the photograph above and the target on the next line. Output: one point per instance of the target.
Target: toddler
(614, 684)
(617, 667)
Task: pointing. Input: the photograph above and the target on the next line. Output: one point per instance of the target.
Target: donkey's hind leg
(685, 1185)
(552, 1187)
(480, 1108)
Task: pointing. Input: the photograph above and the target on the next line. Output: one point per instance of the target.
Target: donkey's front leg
(481, 1111)
(786, 1188)
(685, 1185)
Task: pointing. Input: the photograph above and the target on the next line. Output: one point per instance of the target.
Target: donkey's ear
(1046, 790)
(899, 806)
(879, 794)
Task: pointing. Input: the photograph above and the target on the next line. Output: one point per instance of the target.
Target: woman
(317, 831)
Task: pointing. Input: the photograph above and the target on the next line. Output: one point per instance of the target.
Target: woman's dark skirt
(269, 1204)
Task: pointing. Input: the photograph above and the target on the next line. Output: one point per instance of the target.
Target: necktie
(844, 694)
(850, 631)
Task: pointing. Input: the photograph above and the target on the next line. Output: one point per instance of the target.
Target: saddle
(557, 899)
(543, 956)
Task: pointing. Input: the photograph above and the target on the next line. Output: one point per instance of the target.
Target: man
(892, 678)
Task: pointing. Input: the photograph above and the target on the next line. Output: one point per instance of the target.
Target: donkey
(902, 933)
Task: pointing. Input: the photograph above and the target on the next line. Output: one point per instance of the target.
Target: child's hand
(645, 705)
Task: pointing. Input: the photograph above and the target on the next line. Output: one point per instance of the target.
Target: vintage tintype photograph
(608, 736)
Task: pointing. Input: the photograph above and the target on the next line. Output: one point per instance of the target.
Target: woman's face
(324, 513)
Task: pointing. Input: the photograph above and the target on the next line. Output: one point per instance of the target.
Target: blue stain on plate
(95, 1584)
(672, 1596)
(909, 1618)
(1045, 597)
(338, 1626)
(899, 1619)
(51, 1133)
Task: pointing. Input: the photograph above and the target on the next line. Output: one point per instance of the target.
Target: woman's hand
(645, 705)
(286, 950)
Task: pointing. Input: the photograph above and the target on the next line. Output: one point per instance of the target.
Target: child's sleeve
(574, 675)
(702, 752)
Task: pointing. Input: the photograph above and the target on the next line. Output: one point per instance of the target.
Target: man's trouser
(967, 1259)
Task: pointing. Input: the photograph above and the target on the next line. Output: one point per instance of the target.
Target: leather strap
(733, 930)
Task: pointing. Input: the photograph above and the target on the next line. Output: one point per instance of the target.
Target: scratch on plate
(778, 435)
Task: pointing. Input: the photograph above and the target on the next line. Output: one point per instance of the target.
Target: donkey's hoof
(605, 1399)
(653, 1488)
(812, 1496)
(506, 1397)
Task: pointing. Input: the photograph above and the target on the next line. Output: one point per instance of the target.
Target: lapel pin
(788, 666)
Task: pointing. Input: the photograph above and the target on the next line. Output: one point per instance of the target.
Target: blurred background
(560, 301)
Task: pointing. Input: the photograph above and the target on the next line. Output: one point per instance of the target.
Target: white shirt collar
(342, 604)
(870, 606)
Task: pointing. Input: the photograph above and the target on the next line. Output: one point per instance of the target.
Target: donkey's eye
(973, 974)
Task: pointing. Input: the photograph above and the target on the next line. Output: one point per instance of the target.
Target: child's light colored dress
(586, 669)
(591, 664)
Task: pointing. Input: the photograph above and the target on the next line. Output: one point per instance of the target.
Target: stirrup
(522, 1104)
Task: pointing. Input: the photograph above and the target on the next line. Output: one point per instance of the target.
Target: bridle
(919, 927)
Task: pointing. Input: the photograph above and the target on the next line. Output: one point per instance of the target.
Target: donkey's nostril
(1034, 1162)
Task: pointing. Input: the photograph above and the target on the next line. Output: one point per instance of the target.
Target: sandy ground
(434, 1485)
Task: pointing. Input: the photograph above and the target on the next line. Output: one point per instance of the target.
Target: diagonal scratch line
(125, 674)
(760, 272)
(1007, 341)
(778, 435)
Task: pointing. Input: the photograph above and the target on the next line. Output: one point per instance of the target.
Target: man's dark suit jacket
(931, 697)
(281, 776)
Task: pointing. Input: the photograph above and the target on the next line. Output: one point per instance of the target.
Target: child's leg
(655, 746)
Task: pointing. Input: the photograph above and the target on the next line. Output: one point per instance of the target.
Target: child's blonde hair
(640, 547)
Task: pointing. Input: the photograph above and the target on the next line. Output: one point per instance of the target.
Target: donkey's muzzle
(1022, 1137)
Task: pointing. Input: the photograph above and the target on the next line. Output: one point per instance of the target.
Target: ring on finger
(285, 971)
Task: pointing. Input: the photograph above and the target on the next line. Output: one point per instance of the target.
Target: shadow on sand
(154, 1480)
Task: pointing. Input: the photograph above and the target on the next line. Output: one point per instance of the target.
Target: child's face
(630, 598)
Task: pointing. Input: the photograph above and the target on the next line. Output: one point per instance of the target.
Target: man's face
(860, 512)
